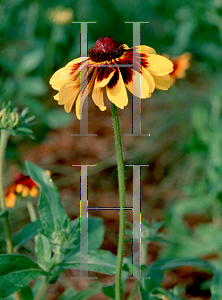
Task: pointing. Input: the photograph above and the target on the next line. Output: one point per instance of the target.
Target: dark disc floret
(106, 49)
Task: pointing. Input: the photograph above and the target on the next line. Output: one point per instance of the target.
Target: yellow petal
(62, 75)
(107, 74)
(117, 94)
(159, 65)
(145, 49)
(68, 92)
(56, 97)
(139, 86)
(149, 79)
(162, 82)
(83, 94)
(25, 191)
(19, 188)
(97, 97)
(34, 192)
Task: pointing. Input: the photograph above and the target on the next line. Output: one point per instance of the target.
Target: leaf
(143, 294)
(30, 61)
(16, 271)
(171, 263)
(3, 214)
(154, 280)
(101, 261)
(162, 291)
(26, 293)
(71, 294)
(216, 286)
(52, 215)
(26, 233)
(109, 291)
(34, 86)
(43, 250)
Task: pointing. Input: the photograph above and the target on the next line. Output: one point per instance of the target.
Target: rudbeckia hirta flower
(180, 64)
(23, 186)
(107, 67)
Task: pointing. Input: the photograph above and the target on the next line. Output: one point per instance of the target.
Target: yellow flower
(106, 66)
(60, 15)
(181, 64)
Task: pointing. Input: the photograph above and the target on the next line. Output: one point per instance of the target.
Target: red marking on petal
(74, 68)
(113, 81)
(127, 74)
(104, 72)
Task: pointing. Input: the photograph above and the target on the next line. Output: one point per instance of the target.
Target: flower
(181, 64)
(60, 15)
(22, 185)
(106, 66)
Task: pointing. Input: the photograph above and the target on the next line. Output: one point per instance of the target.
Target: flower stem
(3, 143)
(122, 201)
(31, 210)
(42, 289)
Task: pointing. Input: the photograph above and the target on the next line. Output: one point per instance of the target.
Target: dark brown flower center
(105, 49)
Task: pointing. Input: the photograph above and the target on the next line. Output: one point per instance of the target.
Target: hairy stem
(122, 201)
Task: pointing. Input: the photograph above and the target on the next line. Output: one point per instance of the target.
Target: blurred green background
(183, 184)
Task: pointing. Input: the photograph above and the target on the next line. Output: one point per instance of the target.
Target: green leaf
(68, 294)
(100, 261)
(171, 263)
(71, 294)
(3, 214)
(109, 291)
(43, 250)
(216, 286)
(57, 118)
(143, 294)
(154, 280)
(30, 61)
(169, 295)
(26, 293)
(34, 86)
(26, 233)
(52, 215)
(16, 272)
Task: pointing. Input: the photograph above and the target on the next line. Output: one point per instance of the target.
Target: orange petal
(10, 200)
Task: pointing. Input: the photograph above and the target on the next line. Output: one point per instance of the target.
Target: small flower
(60, 15)
(14, 122)
(22, 185)
(181, 64)
(107, 67)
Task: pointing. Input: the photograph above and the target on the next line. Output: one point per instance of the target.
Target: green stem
(31, 210)
(3, 143)
(144, 245)
(42, 289)
(122, 201)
